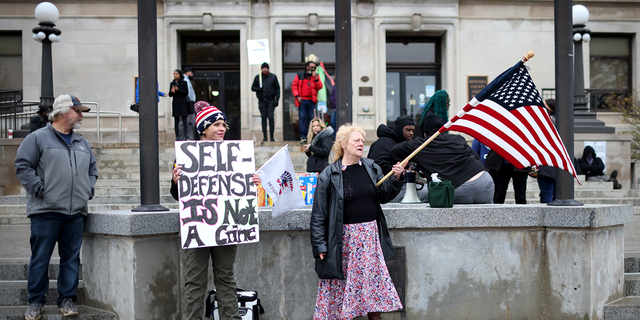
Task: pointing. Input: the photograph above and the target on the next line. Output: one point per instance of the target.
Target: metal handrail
(97, 112)
(109, 112)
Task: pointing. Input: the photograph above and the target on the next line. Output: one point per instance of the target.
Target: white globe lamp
(47, 12)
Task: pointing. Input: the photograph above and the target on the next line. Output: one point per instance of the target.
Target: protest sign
(218, 203)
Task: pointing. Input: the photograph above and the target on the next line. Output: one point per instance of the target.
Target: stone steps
(632, 284)
(632, 262)
(14, 293)
(627, 308)
(18, 270)
(53, 313)
(20, 209)
(97, 200)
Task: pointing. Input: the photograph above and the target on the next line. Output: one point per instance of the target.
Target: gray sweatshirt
(58, 178)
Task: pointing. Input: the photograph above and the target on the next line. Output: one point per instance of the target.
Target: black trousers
(182, 128)
(501, 180)
(266, 112)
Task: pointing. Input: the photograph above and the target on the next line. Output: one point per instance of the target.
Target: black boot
(613, 176)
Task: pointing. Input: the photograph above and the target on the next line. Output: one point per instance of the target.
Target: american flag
(508, 116)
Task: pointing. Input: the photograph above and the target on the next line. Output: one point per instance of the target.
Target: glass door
(222, 90)
(408, 94)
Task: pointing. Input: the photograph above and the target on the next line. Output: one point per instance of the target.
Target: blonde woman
(349, 233)
(319, 149)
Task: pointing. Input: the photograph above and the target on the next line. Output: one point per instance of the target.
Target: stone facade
(97, 56)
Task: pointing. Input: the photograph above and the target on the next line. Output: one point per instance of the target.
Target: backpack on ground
(249, 306)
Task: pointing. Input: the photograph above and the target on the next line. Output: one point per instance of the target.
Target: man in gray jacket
(58, 170)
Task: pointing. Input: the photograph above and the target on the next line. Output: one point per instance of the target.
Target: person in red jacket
(305, 88)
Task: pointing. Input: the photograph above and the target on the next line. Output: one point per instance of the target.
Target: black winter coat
(36, 122)
(180, 103)
(596, 168)
(319, 150)
(328, 212)
(380, 149)
(270, 90)
(448, 155)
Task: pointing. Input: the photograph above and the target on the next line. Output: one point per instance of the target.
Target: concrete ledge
(399, 216)
(128, 223)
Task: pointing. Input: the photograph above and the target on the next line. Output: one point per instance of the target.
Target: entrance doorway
(413, 74)
(296, 46)
(221, 89)
(215, 59)
(408, 94)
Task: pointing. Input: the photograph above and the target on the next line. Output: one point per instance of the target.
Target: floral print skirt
(367, 286)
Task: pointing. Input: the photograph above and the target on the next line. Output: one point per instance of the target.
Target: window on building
(609, 66)
(10, 60)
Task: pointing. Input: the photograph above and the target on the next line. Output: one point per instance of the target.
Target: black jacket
(596, 167)
(327, 214)
(380, 149)
(180, 103)
(270, 90)
(36, 122)
(448, 155)
(319, 150)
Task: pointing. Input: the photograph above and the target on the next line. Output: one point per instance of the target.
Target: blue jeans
(305, 113)
(45, 232)
(547, 189)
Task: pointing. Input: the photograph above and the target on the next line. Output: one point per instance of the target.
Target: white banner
(279, 180)
(218, 204)
(258, 51)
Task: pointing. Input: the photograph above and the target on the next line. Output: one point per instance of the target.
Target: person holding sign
(349, 233)
(267, 89)
(211, 125)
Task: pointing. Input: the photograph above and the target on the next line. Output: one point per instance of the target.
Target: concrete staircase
(118, 185)
(627, 308)
(14, 268)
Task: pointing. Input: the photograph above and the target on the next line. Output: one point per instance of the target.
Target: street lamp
(580, 33)
(585, 121)
(47, 14)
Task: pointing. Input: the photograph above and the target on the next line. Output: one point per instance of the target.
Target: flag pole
(404, 162)
(528, 56)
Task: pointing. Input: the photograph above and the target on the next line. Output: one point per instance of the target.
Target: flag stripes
(524, 137)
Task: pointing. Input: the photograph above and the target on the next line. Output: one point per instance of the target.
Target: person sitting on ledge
(452, 159)
(593, 168)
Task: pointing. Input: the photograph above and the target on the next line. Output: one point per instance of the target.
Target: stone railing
(466, 262)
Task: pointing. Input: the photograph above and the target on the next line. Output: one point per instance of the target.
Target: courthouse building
(403, 51)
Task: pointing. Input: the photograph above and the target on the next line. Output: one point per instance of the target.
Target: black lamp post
(47, 14)
(585, 121)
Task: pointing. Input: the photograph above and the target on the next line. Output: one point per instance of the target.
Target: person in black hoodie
(318, 151)
(387, 138)
(591, 165)
(452, 159)
(268, 96)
